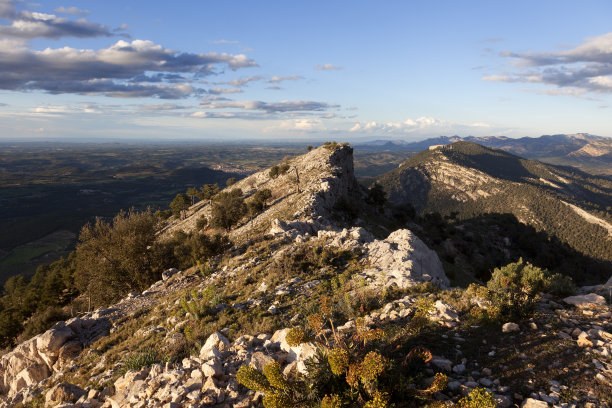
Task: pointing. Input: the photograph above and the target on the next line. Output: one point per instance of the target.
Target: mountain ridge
(588, 152)
(473, 180)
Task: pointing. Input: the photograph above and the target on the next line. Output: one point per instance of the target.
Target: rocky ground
(125, 355)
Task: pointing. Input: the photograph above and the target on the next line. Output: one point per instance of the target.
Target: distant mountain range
(468, 180)
(588, 152)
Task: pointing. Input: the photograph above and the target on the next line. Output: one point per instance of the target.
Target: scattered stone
(590, 301)
(459, 368)
(510, 327)
(215, 341)
(583, 340)
(534, 403)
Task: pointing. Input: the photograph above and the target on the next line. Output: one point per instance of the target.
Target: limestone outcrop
(36, 359)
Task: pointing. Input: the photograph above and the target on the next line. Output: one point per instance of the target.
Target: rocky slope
(181, 342)
(306, 192)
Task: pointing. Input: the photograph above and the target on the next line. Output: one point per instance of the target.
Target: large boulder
(402, 259)
(64, 392)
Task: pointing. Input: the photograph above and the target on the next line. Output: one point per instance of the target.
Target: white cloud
(587, 67)
(277, 79)
(119, 70)
(302, 125)
(27, 25)
(243, 81)
(270, 107)
(71, 10)
(407, 126)
(328, 67)
(220, 91)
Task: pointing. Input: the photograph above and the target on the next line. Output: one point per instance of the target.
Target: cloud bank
(120, 70)
(585, 68)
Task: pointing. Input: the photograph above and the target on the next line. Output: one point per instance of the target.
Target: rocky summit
(323, 299)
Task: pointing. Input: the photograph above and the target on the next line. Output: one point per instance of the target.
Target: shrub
(561, 285)
(376, 195)
(139, 360)
(348, 371)
(514, 287)
(273, 173)
(477, 398)
(201, 223)
(283, 168)
(199, 306)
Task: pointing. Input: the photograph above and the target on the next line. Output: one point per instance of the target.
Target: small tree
(228, 209)
(258, 201)
(179, 205)
(192, 192)
(208, 191)
(230, 181)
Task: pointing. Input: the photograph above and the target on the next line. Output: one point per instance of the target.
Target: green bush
(273, 173)
(513, 289)
(199, 305)
(477, 398)
(561, 285)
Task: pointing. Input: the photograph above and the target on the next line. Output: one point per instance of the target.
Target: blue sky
(342, 70)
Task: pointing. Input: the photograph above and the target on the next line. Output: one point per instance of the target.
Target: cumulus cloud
(220, 91)
(27, 25)
(269, 107)
(328, 67)
(427, 127)
(162, 107)
(114, 71)
(302, 125)
(55, 110)
(243, 81)
(71, 10)
(277, 79)
(587, 67)
(407, 126)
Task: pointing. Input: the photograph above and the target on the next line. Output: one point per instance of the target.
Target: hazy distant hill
(471, 180)
(587, 152)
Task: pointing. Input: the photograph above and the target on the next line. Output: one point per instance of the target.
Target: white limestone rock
(215, 341)
(402, 259)
(588, 301)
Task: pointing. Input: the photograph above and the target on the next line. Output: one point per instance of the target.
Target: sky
(316, 70)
